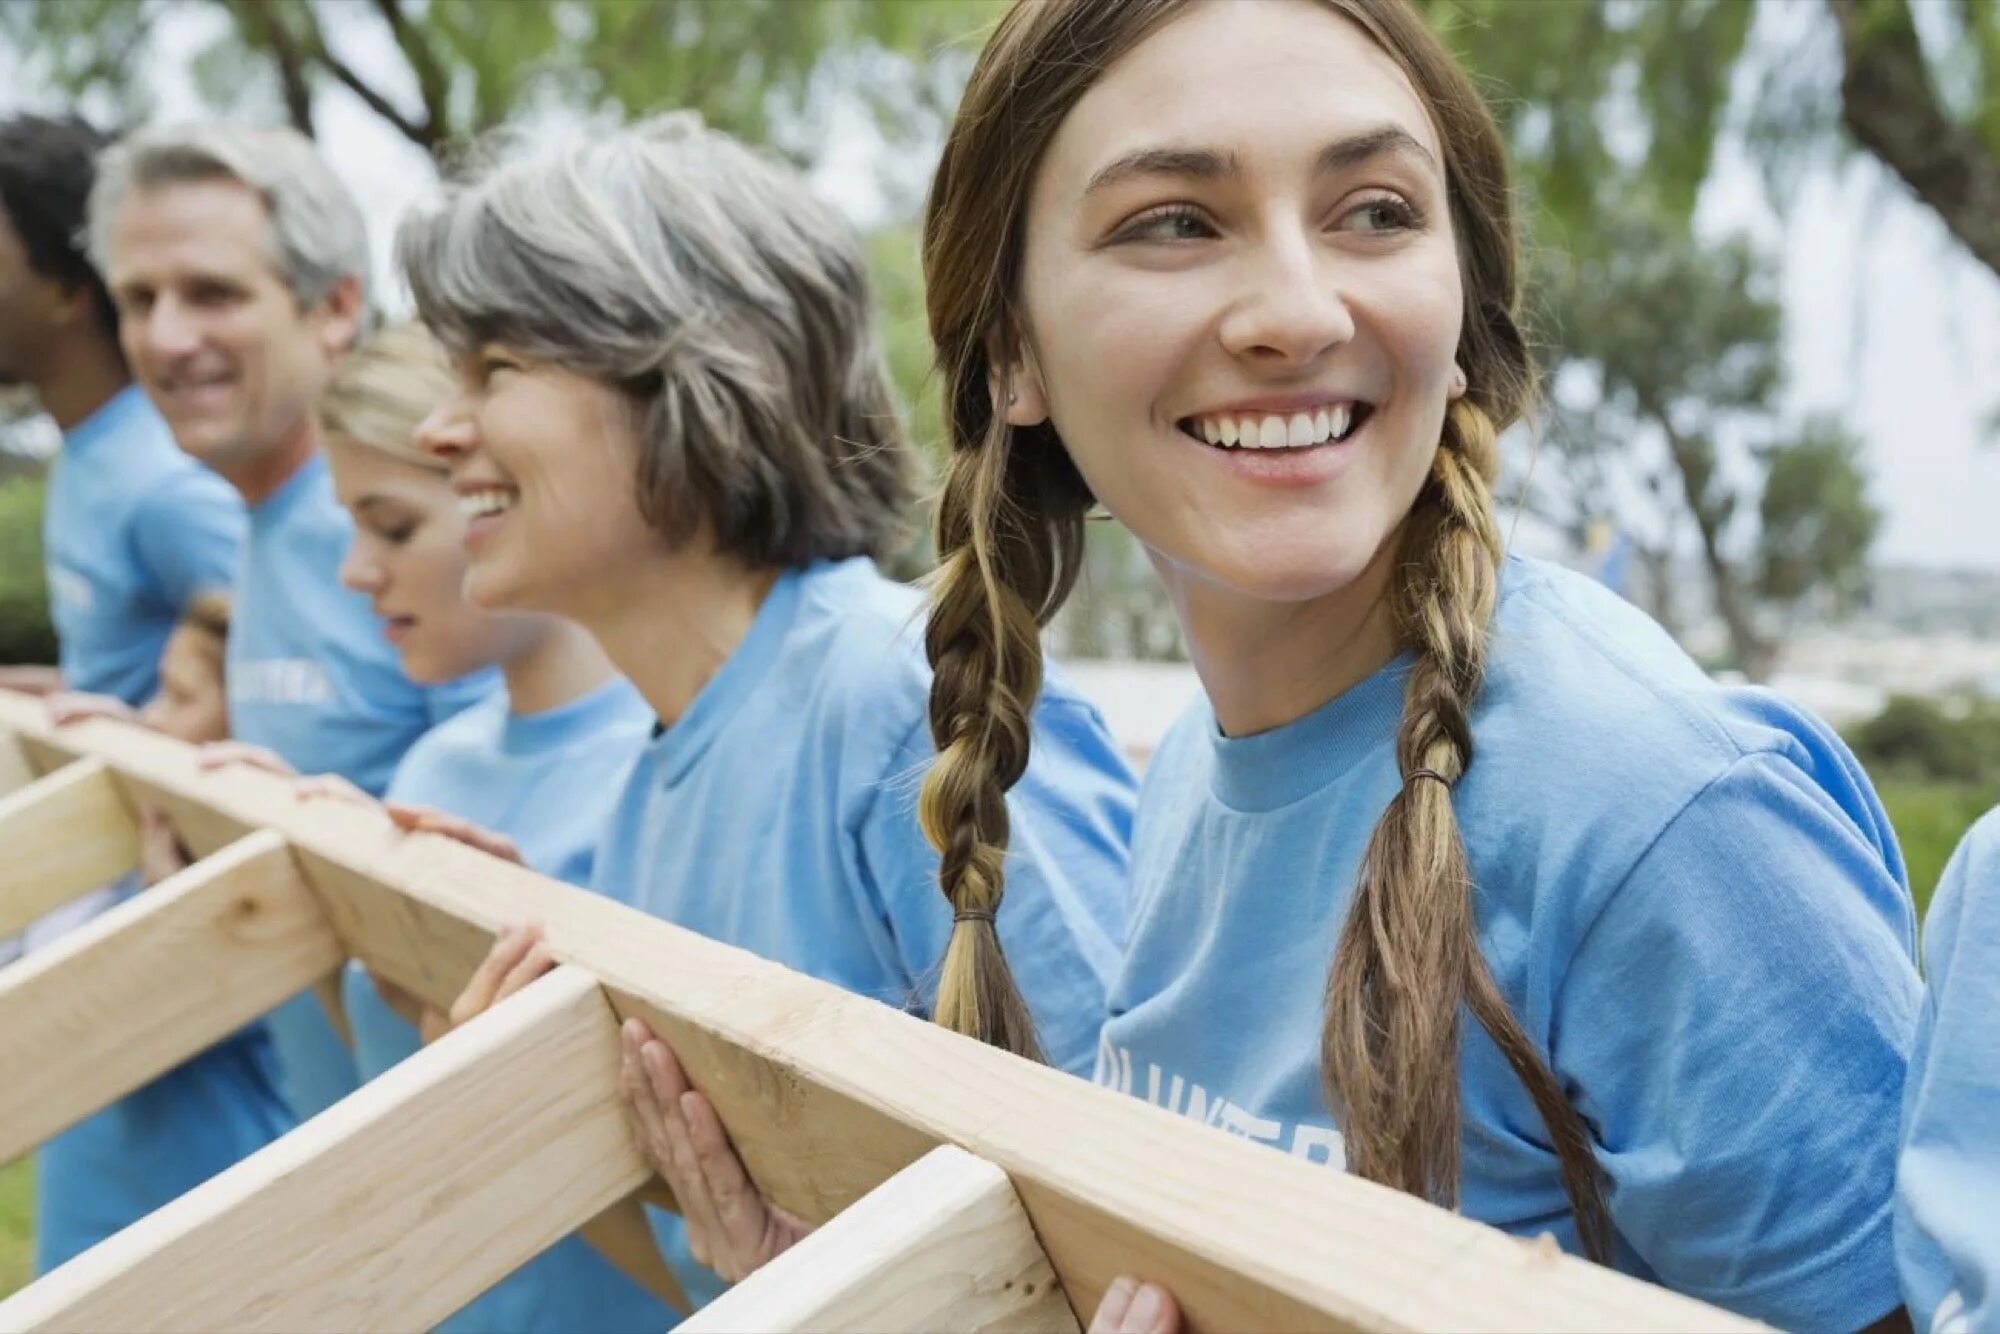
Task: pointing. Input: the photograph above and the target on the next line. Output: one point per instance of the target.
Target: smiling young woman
(1244, 274)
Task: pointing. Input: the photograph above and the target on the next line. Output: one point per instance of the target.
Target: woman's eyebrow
(1194, 163)
(1383, 141)
(1208, 164)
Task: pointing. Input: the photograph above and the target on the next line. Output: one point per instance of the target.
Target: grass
(1930, 817)
(17, 1206)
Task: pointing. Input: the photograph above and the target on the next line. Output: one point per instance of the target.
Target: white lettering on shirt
(279, 681)
(1304, 1141)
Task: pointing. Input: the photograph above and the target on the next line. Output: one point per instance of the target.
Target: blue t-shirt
(1689, 894)
(545, 780)
(1948, 1184)
(312, 677)
(133, 530)
(779, 814)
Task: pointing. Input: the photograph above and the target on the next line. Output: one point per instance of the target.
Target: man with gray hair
(238, 266)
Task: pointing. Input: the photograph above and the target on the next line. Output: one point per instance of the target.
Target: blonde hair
(1009, 539)
(380, 394)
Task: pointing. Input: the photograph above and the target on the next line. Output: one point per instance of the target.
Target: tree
(443, 71)
(1667, 373)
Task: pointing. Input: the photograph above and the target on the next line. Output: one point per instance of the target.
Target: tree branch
(433, 80)
(1890, 106)
(262, 25)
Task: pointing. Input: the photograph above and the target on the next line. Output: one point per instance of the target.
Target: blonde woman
(1461, 876)
(532, 764)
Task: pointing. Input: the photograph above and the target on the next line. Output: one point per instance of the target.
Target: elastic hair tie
(1415, 774)
(973, 915)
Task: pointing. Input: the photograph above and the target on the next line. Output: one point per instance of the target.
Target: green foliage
(1817, 523)
(25, 632)
(1919, 739)
(17, 1223)
(1930, 818)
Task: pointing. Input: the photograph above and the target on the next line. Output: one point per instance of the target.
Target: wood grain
(164, 975)
(61, 837)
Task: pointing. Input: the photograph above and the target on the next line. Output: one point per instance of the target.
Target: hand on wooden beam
(519, 956)
(74, 706)
(226, 754)
(731, 1227)
(330, 787)
(424, 820)
(1132, 1307)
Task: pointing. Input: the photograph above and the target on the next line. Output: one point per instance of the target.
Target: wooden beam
(942, 1245)
(15, 771)
(156, 979)
(63, 835)
(392, 1208)
(828, 1094)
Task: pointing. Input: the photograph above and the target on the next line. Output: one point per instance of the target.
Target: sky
(1888, 323)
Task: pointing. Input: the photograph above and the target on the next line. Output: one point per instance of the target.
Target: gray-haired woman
(674, 427)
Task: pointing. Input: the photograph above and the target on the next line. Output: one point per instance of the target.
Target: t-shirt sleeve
(1735, 1026)
(1948, 1183)
(1049, 925)
(186, 535)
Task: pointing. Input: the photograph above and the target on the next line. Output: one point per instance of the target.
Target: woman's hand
(731, 1227)
(1132, 1307)
(330, 787)
(73, 706)
(519, 956)
(424, 820)
(232, 754)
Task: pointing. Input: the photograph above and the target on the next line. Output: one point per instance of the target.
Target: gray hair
(317, 235)
(705, 281)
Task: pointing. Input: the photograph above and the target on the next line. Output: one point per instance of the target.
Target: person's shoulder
(1577, 673)
(469, 739)
(857, 645)
(1969, 886)
(1595, 732)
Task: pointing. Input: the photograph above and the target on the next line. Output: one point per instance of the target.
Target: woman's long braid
(1408, 955)
(1003, 568)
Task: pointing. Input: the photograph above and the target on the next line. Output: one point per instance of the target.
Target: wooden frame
(827, 1095)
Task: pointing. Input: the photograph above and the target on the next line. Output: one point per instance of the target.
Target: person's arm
(1734, 1025)
(187, 535)
(31, 679)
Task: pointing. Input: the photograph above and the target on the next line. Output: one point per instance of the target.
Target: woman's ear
(1458, 383)
(1015, 383)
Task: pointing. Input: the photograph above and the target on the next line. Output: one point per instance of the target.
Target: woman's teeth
(1276, 430)
(479, 504)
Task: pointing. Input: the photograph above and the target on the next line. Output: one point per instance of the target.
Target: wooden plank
(392, 1208)
(63, 835)
(15, 771)
(942, 1245)
(168, 973)
(827, 1095)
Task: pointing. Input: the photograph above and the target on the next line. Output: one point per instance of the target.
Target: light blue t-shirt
(546, 780)
(1688, 893)
(1948, 1184)
(133, 530)
(312, 677)
(779, 814)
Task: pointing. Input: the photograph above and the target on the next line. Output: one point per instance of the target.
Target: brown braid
(1003, 568)
(1409, 954)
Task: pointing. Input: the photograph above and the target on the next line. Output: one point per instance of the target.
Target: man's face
(211, 329)
(29, 303)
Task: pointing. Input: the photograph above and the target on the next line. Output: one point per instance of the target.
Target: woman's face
(408, 557)
(543, 461)
(190, 703)
(1243, 297)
